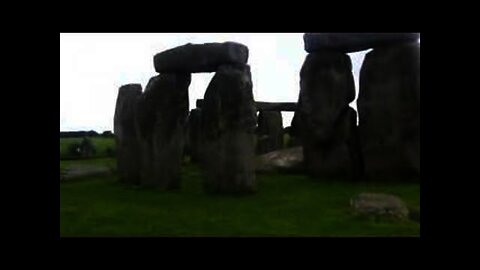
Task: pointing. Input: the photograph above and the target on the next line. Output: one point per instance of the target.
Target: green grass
(285, 205)
(101, 144)
(107, 162)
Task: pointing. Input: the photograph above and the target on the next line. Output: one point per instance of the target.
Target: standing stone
(187, 143)
(194, 133)
(128, 155)
(294, 132)
(354, 146)
(325, 120)
(161, 119)
(389, 112)
(292, 140)
(269, 131)
(228, 123)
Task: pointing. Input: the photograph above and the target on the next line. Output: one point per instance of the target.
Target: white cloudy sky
(94, 66)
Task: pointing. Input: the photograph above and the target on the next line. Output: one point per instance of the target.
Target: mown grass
(106, 162)
(101, 145)
(284, 205)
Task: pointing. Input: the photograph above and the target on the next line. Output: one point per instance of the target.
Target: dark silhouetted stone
(194, 133)
(294, 130)
(325, 121)
(337, 157)
(326, 90)
(193, 58)
(161, 117)
(199, 103)
(276, 106)
(269, 131)
(389, 112)
(228, 121)
(128, 155)
(353, 42)
(292, 140)
(266, 106)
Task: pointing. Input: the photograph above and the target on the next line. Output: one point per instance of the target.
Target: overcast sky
(94, 66)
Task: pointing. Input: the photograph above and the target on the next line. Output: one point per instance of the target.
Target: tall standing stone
(294, 132)
(128, 155)
(228, 123)
(389, 112)
(161, 118)
(326, 122)
(194, 133)
(269, 131)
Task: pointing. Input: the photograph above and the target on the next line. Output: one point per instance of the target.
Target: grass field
(107, 162)
(284, 205)
(101, 145)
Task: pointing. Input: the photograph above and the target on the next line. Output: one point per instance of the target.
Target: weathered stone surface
(266, 106)
(326, 89)
(125, 135)
(160, 122)
(389, 112)
(353, 42)
(292, 140)
(354, 145)
(294, 132)
(194, 133)
(199, 103)
(286, 160)
(324, 119)
(379, 205)
(338, 156)
(193, 58)
(228, 123)
(269, 131)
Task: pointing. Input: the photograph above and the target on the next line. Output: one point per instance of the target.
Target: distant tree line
(80, 134)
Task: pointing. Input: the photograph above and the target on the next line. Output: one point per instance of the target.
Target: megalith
(389, 112)
(294, 132)
(161, 117)
(269, 131)
(325, 121)
(228, 122)
(194, 134)
(128, 154)
(193, 58)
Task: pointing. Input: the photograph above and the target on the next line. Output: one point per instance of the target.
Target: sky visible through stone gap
(94, 66)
